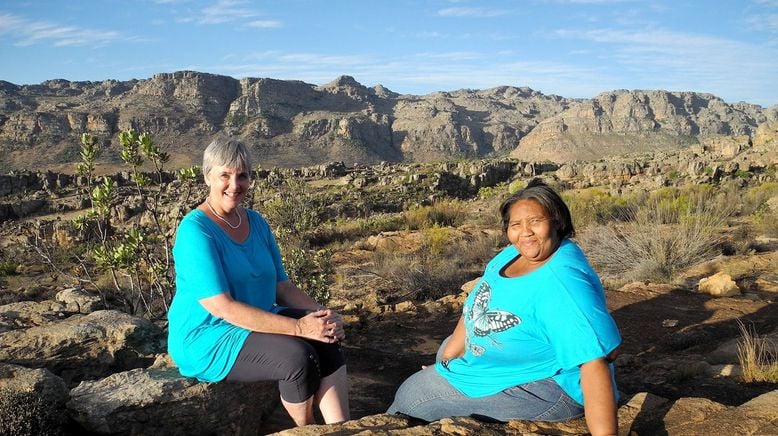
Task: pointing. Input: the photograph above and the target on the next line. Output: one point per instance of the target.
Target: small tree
(138, 258)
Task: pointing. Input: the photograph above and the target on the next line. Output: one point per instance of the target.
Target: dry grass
(758, 357)
(439, 267)
(656, 241)
(446, 213)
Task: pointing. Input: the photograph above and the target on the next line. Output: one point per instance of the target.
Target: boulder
(631, 415)
(719, 285)
(696, 416)
(26, 314)
(159, 401)
(78, 300)
(85, 346)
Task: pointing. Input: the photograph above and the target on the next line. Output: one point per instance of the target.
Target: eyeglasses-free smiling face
(228, 188)
(532, 231)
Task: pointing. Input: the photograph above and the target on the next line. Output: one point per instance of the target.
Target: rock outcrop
(121, 382)
(292, 123)
(158, 401)
(619, 122)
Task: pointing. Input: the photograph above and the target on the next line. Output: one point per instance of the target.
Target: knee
(409, 393)
(303, 363)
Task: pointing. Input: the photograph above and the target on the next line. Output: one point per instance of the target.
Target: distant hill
(292, 123)
(622, 121)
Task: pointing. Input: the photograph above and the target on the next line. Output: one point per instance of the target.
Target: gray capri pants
(298, 364)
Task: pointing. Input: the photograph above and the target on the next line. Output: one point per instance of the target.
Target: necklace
(240, 220)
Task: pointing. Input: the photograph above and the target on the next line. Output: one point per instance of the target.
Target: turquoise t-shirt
(523, 329)
(208, 262)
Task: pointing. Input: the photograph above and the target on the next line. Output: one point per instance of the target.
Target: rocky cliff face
(623, 121)
(292, 123)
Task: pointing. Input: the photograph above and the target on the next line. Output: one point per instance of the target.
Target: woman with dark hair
(535, 341)
(236, 316)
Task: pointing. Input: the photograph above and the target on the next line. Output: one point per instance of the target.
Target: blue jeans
(428, 396)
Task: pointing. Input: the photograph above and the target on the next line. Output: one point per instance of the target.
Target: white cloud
(683, 61)
(24, 32)
(471, 12)
(225, 11)
(592, 2)
(768, 22)
(768, 3)
(265, 24)
(452, 56)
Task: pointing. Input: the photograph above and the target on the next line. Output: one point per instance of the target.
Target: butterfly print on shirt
(486, 321)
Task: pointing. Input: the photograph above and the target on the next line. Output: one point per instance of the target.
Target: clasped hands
(323, 325)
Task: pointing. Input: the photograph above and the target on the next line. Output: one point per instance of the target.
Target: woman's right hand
(322, 325)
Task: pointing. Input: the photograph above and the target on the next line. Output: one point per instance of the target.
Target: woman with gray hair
(236, 316)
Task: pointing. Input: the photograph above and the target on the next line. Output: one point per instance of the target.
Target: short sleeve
(272, 247)
(198, 266)
(583, 329)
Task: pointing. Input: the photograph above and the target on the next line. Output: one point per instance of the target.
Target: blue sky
(572, 48)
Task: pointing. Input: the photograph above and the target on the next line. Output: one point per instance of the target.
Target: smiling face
(228, 188)
(532, 231)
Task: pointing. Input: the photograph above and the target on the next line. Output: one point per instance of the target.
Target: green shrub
(436, 240)
(295, 217)
(446, 213)
(8, 267)
(743, 174)
(310, 270)
(294, 208)
(756, 197)
(766, 221)
(136, 262)
(594, 205)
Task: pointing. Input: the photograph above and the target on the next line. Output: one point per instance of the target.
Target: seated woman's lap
(298, 364)
(428, 396)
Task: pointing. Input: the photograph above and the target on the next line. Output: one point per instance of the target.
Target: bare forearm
(599, 398)
(456, 344)
(255, 319)
(288, 294)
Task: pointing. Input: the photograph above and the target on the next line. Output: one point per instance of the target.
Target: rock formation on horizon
(293, 123)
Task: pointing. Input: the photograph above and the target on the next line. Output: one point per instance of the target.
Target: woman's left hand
(335, 323)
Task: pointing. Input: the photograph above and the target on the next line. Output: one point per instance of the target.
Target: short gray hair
(226, 151)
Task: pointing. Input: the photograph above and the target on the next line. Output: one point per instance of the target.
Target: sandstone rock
(687, 411)
(467, 287)
(727, 352)
(718, 285)
(619, 122)
(728, 370)
(634, 414)
(85, 346)
(380, 424)
(79, 301)
(25, 314)
(159, 401)
(695, 416)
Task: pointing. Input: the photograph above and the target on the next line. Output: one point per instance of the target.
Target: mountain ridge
(293, 123)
